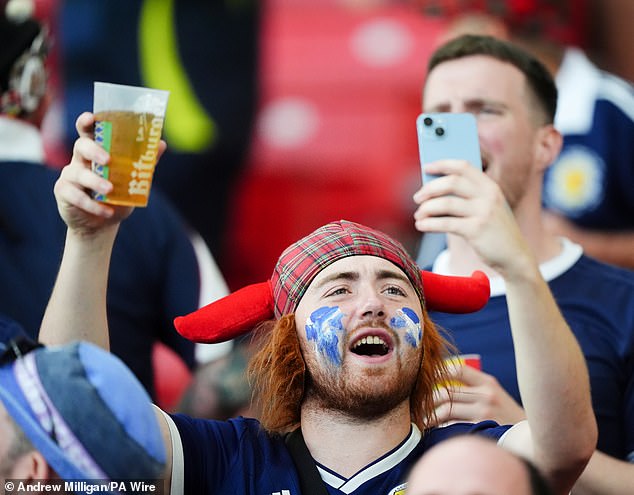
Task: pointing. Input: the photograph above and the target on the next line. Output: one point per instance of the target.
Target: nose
(372, 305)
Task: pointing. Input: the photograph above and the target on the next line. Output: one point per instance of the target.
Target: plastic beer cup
(128, 124)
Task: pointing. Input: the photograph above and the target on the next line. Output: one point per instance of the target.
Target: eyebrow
(351, 276)
(470, 105)
(385, 274)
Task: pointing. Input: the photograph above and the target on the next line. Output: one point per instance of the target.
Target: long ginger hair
(277, 374)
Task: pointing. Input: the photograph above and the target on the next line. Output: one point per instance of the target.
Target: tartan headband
(298, 265)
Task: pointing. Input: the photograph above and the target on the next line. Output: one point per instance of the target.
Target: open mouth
(371, 345)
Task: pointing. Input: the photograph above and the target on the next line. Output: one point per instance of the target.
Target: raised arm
(551, 370)
(77, 307)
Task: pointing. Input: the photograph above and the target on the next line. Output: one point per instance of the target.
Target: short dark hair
(539, 79)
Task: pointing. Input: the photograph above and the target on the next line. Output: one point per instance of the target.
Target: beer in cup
(128, 124)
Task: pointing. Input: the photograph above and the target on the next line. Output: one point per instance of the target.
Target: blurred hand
(475, 396)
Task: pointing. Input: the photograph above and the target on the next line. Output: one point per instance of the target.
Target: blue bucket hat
(84, 411)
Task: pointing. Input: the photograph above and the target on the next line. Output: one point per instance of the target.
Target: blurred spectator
(32, 237)
(466, 465)
(73, 413)
(518, 142)
(219, 388)
(205, 53)
(588, 189)
(160, 261)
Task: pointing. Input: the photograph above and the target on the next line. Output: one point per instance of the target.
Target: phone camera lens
(440, 131)
(428, 121)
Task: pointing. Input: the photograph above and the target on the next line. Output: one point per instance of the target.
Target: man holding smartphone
(513, 98)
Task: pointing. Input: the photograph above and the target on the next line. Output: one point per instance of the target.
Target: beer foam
(149, 103)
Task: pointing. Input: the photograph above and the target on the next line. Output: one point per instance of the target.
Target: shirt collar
(551, 269)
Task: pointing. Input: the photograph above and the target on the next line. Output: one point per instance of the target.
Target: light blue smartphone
(447, 136)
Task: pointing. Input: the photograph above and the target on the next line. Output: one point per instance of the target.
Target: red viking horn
(237, 313)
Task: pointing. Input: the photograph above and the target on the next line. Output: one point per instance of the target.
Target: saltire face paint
(325, 328)
(406, 318)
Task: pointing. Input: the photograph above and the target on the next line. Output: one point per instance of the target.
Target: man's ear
(548, 142)
(31, 466)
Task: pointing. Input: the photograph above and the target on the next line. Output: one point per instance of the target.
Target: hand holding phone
(444, 136)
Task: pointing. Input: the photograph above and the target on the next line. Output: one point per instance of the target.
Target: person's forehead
(472, 75)
(360, 265)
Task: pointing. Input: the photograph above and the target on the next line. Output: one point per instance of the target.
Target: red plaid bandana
(301, 262)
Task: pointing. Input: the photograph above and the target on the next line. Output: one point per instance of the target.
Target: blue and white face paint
(325, 328)
(406, 318)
